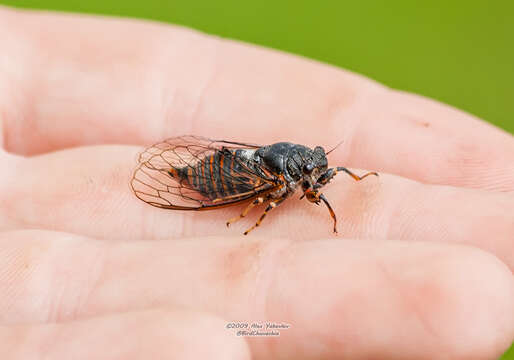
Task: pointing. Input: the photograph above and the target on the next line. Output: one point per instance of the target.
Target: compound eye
(307, 168)
(319, 149)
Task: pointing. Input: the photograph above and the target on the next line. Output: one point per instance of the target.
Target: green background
(458, 52)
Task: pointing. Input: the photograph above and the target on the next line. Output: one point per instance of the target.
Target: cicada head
(314, 164)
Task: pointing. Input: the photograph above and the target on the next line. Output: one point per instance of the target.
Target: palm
(69, 85)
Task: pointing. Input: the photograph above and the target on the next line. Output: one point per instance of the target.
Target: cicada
(197, 173)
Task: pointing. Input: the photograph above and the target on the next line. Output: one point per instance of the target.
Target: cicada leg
(273, 204)
(250, 206)
(330, 173)
(331, 211)
(356, 177)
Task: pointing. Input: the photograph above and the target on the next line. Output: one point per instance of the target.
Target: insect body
(196, 173)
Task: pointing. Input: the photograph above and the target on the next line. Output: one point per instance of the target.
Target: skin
(422, 267)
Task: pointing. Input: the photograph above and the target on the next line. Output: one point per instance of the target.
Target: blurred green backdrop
(457, 52)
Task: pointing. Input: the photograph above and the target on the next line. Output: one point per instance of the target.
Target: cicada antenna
(335, 147)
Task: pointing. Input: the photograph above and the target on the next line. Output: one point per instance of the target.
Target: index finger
(73, 80)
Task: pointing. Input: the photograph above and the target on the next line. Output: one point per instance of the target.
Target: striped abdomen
(217, 176)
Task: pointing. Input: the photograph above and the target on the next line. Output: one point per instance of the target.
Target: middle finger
(86, 191)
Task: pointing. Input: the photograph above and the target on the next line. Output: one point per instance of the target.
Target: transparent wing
(160, 180)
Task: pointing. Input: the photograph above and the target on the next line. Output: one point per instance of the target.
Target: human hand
(89, 271)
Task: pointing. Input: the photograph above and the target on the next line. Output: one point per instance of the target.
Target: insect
(197, 173)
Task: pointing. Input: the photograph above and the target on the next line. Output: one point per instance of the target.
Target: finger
(401, 301)
(154, 81)
(157, 334)
(86, 191)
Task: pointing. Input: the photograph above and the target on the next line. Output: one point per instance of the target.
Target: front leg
(330, 173)
(356, 177)
(325, 178)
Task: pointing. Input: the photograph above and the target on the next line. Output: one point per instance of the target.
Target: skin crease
(80, 255)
